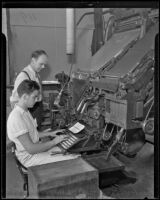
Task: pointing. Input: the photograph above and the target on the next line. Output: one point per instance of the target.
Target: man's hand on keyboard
(60, 133)
(55, 133)
(60, 138)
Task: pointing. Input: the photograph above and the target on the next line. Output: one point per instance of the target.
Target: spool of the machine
(148, 126)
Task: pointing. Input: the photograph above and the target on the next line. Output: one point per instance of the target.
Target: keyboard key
(74, 137)
(63, 145)
(69, 143)
(66, 144)
(72, 140)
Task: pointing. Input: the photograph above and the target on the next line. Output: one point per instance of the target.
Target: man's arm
(50, 133)
(34, 148)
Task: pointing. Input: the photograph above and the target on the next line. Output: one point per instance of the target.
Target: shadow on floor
(138, 182)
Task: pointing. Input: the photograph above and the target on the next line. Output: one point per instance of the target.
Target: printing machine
(112, 95)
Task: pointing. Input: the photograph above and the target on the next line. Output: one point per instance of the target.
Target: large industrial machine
(112, 95)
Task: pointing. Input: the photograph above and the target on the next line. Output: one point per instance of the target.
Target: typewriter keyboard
(72, 139)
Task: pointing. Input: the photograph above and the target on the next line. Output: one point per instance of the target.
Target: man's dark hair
(37, 53)
(27, 87)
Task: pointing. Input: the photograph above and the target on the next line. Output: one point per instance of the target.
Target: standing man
(39, 60)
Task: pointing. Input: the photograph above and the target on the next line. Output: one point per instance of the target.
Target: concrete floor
(142, 167)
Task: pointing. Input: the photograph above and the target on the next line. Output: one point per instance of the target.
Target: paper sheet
(77, 128)
(50, 82)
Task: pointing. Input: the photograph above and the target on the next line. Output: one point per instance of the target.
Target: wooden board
(64, 179)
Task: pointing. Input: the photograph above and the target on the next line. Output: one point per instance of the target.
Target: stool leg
(25, 188)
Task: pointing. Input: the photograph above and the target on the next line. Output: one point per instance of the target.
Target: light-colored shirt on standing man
(23, 76)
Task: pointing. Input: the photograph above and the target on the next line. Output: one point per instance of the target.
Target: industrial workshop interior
(94, 134)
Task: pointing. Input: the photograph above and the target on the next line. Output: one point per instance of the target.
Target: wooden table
(65, 179)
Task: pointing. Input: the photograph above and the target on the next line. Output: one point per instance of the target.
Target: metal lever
(112, 148)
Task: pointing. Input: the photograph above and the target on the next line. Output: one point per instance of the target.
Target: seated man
(22, 130)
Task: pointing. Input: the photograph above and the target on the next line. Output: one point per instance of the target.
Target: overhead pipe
(144, 16)
(70, 30)
(4, 22)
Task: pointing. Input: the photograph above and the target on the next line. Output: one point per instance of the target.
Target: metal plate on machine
(135, 54)
(118, 113)
(111, 48)
(100, 162)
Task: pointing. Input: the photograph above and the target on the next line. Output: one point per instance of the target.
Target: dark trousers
(37, 112)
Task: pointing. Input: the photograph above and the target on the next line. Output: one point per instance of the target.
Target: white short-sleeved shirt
(21, 122)
(23, 76)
